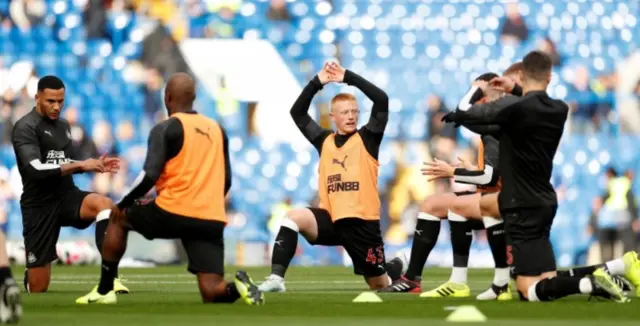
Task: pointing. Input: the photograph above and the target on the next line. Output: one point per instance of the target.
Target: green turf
(316, 296)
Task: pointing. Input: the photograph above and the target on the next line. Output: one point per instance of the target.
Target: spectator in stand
(94, 17)
(27, 13)
(278, 10)
(514, 30)
(547, 46)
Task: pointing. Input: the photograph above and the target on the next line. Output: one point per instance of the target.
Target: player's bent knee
(300, 220)
(436, 205)
(38, 280)
(210, 286)
(378, 282)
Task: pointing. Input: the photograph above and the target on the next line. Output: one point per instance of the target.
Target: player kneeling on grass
(42, 144)
(462, 210)
(188, 162)
(530, 132)
(350, 206)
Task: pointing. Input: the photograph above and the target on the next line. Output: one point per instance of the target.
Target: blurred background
(252, 58)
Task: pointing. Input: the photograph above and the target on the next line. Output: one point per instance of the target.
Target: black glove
(449, 117)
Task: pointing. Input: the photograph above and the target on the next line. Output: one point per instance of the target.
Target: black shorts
(202, 239)
(360, 238)
(41, 226)
(529, 250)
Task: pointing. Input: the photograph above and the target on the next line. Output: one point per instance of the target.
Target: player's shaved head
(180, 93)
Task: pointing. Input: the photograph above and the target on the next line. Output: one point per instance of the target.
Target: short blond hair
(342, 97)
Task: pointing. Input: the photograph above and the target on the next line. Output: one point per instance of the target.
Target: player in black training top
(360, 237)
(530, 131)
(42, 144)
(462, 210)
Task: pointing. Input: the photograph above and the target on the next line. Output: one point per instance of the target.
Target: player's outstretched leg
(461, 238)
(599, 284)
(432, 211)
(628, 267)
(494, 225)
(10, 304)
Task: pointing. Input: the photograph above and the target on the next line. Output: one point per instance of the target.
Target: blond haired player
(348, 184)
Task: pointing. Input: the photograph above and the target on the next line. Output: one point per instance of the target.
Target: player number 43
(375, 256)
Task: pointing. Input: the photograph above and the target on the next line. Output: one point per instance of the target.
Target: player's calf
(37, 279)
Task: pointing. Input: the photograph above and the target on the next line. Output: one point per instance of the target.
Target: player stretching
(457, 207)
(50, 199)
(528, 201)
(188, 162)
(623, 270)
(348, 184)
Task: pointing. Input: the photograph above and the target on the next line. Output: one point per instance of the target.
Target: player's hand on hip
(503, 83)
(437, 169)
(93, 165)
(116, 213)
(336, 72)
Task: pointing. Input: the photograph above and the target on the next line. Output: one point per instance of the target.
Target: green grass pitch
(316, 296)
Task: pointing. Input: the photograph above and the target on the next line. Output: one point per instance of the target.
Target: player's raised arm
(165, 141)
(487, 175)
(473, 95)
(27, 149)
(491, 113)
(300, 110)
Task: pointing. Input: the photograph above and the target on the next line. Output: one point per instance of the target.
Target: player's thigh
(363, 242)
(489, 205)
(78, 208)
(151, 221)
(326, 234)
(206, 255)
(40, 231)
(467, 206)
(529, 249)
(438, 204)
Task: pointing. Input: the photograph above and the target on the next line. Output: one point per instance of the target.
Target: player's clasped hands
(331, 72)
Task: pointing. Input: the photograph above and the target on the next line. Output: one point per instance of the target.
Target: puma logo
(199, 131)
(335, 161)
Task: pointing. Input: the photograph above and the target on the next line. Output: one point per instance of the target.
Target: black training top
(41, 146)
(530, 131)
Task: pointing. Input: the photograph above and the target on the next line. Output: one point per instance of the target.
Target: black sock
(461, 237)
(283, 250)
(108, 274)
(101, 230)
(394, 268)
(231, 296)
(495, 236)
(557, 287)
(424, 239)
(580, 271)
(5, 273)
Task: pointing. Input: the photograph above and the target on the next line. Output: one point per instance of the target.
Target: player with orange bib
(349, 213)
(188, 163)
